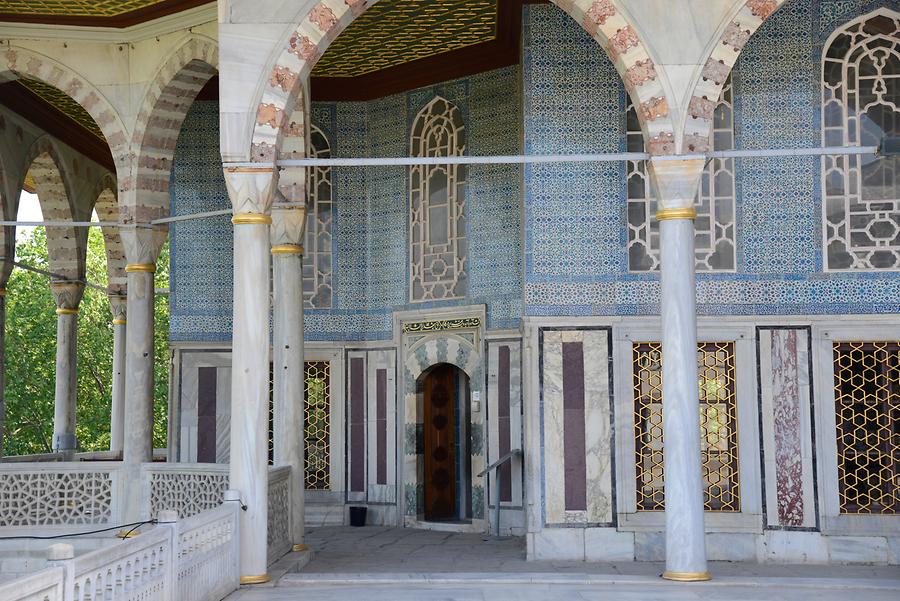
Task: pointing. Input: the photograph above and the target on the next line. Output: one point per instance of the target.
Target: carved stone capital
(118, 305)
(142, 244)
(251, 189)
(67, 294)
(288, 226)
(676, 182)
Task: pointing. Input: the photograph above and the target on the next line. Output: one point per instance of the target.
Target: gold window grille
(718, 426)
(867, 416)
(317, 428)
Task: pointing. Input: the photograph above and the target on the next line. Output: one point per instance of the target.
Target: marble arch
(283, 97)
(20, 62)
(65, 245)
(163, 110)
(734, 33)
(106, 205)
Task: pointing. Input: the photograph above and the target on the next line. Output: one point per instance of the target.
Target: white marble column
(251, 190)
(117, 305)
(288, 229)
(68, 296)
(142, 246)
(676, 184)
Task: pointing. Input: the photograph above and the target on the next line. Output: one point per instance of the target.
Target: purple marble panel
(503, 426)
(573, 426)
(787, 428)
(357, 425)
(206, 414)
(381, 426)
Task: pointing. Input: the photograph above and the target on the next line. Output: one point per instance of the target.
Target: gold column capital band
(67, 311)
(287, 249)
(299, 548)
(686, 576)
(251, 219)
(140, 268)
(682, 213)
(128, 533)
(255, 579)
(118, 322)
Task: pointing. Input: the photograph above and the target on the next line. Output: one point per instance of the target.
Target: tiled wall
(575, 215)
(574, 227)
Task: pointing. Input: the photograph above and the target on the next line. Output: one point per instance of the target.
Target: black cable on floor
(133, 525)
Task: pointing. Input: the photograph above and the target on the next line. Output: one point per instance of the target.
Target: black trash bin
(358, 516)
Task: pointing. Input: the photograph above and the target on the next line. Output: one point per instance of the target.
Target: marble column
(142, 246)
(118, 307)
(251, 190)
(288, 229)
(68, 296)
(676, 183)
(5, 271)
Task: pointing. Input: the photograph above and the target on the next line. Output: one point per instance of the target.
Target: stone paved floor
(388, 564)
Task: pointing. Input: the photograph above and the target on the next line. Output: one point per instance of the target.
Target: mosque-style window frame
(318, 264)
(438, 248)
(860, 104)
(715, 225)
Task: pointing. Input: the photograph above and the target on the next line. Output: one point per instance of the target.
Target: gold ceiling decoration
(64, 104)
(75, 8)
(394, 32)
(28, 185)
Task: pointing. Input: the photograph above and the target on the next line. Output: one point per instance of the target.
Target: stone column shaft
(676, 183)
(142, 246)
(288, 229)
(117, 410)
(68, 297)
(251, 191)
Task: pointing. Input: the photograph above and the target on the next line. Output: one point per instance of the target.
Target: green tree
(31, 352)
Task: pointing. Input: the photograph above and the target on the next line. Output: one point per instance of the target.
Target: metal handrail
(496, 487)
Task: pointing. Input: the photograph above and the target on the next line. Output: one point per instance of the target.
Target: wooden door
(440, 443)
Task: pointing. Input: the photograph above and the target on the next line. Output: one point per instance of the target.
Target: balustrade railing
(188, 488)
(278, 538)
(77, 496)
(194, 559)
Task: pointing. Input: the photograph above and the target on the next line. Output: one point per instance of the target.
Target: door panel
(440, 443)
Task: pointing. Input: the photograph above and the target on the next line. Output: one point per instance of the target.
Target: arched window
(317, 266)
(715, 236)
(437, 216)
(860, 106)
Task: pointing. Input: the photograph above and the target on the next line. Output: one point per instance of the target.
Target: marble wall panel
(381, 426)
(217, 382)
(505, 432)
(786, 409)
(575, 380)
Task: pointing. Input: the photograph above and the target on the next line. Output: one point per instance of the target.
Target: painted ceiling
(64, 104)
(394, 32)
(75, 8)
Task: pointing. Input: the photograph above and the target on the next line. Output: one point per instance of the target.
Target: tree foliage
(31, 352)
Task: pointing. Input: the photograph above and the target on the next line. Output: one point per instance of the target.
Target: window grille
(714, 240)
(718, 426)
(867, 416)
(317, 426)
(317, 265)
(437, 216)
(860, 100)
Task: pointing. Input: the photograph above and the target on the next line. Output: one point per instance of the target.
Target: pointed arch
(709, 80)
(107, 207)
(283, 94)
(66, 245)
(165, 105)
(20, 62)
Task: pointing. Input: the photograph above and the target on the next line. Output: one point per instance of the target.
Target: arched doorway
(447, 473)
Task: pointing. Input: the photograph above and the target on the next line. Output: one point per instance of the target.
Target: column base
(298, 548)
(686, 576)
(255, 579)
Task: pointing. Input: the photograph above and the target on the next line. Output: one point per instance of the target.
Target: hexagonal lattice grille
(317, 428)
(718, 426)
(867, 419)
